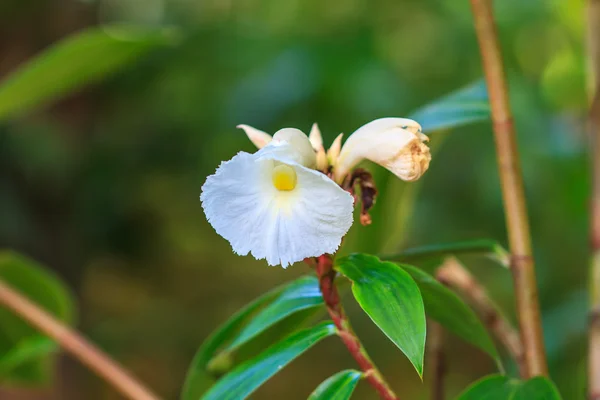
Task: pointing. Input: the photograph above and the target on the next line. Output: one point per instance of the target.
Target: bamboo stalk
(436, 359)
(452, 274)
(75, 344)
(522, 263)
(593, 12)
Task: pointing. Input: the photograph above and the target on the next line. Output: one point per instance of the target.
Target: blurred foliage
(26, 355)
(103, 186)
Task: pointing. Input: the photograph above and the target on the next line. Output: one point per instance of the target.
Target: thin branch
(331, 297)
(517, 224)
(455, 276)
(74, 343)
(436, 359)
(594, 274)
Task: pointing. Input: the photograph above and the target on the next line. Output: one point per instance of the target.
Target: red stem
(326, 274)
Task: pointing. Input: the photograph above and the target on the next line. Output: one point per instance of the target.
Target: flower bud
(317, 143)
(259, 138)
(394, 143)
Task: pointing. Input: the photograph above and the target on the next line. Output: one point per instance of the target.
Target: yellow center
(284, 177)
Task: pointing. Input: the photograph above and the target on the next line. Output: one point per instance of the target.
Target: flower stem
(452, 274)
(522, 263)
(437, 360)
(74, 343)
(593, 43)
(326, 274)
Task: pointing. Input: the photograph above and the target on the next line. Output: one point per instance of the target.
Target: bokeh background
(103, 185)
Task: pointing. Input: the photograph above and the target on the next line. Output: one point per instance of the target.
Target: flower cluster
(287, 201)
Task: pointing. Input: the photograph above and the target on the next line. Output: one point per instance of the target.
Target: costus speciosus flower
(395, 143)
(274, 204)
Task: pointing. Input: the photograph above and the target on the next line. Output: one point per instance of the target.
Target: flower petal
(259, 138)
(299, 142)
(316, 140)
(395, 143)
(283, 227)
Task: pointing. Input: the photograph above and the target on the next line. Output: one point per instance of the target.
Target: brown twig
(436, 359)
(74, 343)
(522, 264)
(594, 274)
(455, 276)
(326, 275)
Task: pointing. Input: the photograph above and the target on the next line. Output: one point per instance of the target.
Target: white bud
(317, 143)
(334, 151)
(299, 141)
(259, 138)
(394, 143)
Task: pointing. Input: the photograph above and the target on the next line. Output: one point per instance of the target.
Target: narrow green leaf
(26, 354)
(281, 311)
(198, 380)
(392, 299)
(493, 387)
(337, 387)
(538, 388)
(301, 294)
(500, 387)
(448, 309)
(79, 59)
(462, 107)
(28, 349)
(490, 248)
(249, 376)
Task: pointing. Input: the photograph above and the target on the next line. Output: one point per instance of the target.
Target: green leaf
(26, 354)
(76, 61)
(267, 319)
(337, 387)
(538, 388)
(392, 299)
(301, 294)
(462, 107)
(500, 387)
(26, 350)
(493, 387)
(247, 377)
(442, 305)
(490, 248)
(198, 380)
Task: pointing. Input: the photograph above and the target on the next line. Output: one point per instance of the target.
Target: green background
(103, 185)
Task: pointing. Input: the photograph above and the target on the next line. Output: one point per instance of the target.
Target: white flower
(273, 204)
(395, 143)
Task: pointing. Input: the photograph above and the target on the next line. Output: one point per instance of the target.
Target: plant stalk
(452, 274)
(74, 343)
(437, 360)
(593, 44)
(326, 275)
(517, 224)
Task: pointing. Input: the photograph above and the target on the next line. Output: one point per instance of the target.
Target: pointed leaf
(493, 387)
(279, 312)
(392, 299)
(301, 294)
(538, 388)
(337, 387)
(75, 61)
(246, 378)
(442, 305)
(26, 355)
(490, 248)
(198, 380)
(462, 107)
(500, 387)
